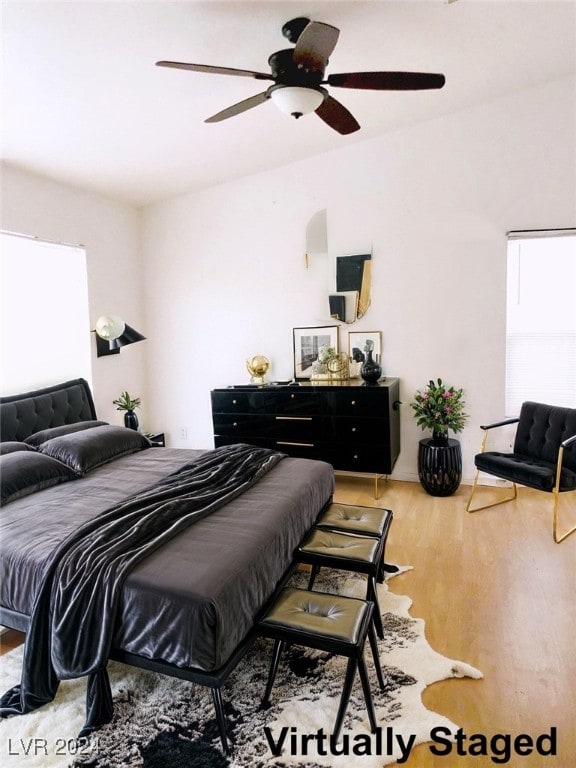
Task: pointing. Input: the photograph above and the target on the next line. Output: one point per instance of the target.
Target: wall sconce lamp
(112, 333)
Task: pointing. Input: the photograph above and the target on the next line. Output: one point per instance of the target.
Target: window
(541, 319)
(45, 326)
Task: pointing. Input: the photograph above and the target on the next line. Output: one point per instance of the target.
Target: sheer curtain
(45, 326)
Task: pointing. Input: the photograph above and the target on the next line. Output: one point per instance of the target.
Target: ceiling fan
(298, 77)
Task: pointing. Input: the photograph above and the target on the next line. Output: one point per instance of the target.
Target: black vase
(130, 420)
(370, 370)
(439, 437)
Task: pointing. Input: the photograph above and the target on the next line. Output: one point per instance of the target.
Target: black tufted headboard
(67, 403)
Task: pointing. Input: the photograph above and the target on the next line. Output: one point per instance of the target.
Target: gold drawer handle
(303, 445)
(293, 418)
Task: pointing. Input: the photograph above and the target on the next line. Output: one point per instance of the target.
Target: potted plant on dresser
(439, 408)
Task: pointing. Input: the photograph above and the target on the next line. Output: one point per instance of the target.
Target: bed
(187, 609)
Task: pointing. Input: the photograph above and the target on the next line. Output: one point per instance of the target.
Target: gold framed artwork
(359, 342)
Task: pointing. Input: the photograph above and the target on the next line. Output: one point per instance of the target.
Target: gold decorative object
(335, 368)
(258, 366)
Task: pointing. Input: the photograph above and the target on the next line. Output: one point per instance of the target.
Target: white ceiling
(84, 103)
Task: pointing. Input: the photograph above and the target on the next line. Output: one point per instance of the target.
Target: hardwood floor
(495, 591)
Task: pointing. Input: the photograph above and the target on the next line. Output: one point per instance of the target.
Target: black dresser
(352, 426)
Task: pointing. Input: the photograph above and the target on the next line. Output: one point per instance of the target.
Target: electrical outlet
(183, 433)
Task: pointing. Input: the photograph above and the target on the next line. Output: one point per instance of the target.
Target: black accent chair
(543, 457)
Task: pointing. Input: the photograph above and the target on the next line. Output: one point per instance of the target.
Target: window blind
(44, 319)
(541, 319)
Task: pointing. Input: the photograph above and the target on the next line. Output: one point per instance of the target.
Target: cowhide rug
(161, 722)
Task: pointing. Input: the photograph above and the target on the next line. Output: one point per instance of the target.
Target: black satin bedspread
(192, 601)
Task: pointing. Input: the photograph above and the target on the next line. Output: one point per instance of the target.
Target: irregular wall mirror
(353, 287)
(351, 277)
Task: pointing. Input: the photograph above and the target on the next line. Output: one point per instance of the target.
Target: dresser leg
(376, 490)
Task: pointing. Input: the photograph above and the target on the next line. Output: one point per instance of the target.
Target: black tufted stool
(346, 552)
(365, 521)
(327, 622)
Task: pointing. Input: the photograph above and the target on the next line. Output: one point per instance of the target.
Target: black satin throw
(72, 622)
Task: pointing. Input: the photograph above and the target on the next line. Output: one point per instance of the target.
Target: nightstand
(157, 440)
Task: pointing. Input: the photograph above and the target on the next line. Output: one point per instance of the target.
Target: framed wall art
(357, 345)
(307, 344)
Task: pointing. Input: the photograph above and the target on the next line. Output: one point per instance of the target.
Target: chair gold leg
(557, 537)
(493, 503)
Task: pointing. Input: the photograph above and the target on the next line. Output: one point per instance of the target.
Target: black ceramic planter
(440, 466)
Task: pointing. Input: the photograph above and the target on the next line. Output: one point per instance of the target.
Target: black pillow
(11, 446)
(83, 451)
(66, 429)
(25, 472)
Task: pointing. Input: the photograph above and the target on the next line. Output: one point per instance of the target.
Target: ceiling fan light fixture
(297, 101)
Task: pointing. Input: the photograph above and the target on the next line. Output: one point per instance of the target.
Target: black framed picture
(307, 344)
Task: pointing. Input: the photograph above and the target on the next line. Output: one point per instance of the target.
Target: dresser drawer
(359, 401)
(298, 449)
(242, 425)
(238, 401)
(351, 430)
(259, 442)
(300, 428)
(295, 403)
(359, 458)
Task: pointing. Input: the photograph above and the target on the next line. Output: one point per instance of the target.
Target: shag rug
(162, 722)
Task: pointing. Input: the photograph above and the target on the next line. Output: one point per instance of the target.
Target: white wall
(110, 232)
(225, 274)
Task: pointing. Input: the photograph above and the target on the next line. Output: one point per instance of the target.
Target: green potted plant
(440, 408)
(128, 405)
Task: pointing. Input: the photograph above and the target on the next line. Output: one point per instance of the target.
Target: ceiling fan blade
(314, 46)
(387, 81)
(240, 107)
(214, 70)
(337, 116)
